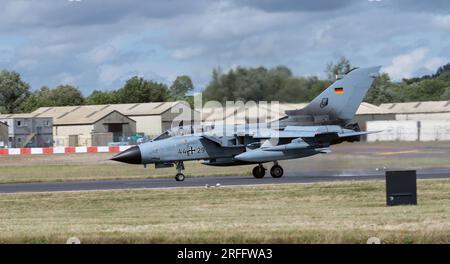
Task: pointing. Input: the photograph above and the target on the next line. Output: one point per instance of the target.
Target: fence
(61, 150)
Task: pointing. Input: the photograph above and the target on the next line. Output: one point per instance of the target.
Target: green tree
(180, 87)
(36, 99)
(425, 90)
(213, 91)
(381, 90)
(62, 95)
(13, 91)
(442, 70)
(139, 90)
(341, 67)
(256, 84)
(100, 97)
(446, 94)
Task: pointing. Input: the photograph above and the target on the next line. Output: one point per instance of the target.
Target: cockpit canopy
(184, 130)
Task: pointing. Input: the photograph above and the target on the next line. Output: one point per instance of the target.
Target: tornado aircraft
(325, 121)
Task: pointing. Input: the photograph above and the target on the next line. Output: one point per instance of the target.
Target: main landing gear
(180, 167)
(276, 171)
(259, 171)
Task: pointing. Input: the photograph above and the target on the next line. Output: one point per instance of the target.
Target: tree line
(256, 84)
(15, 94)
(279, 84)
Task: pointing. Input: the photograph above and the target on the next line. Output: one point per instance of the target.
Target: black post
(401, 188)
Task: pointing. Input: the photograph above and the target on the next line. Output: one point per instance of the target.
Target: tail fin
(340, 101)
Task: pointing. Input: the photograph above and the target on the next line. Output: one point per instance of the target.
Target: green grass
(44, 173)
(344, 212)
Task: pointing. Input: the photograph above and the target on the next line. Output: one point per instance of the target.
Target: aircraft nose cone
(131, 155)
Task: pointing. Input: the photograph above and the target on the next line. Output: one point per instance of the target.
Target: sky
(96, 44)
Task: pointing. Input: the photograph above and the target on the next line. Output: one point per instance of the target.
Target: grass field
(340, 212)
(358, 156)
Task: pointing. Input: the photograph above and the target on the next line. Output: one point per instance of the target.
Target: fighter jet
(325, 121)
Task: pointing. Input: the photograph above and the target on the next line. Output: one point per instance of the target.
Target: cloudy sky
(97, 44)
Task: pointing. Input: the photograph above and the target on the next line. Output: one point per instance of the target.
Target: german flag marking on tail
(338, 90)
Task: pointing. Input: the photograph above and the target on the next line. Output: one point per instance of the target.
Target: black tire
(276, 171)
(259, 172)
(179, 177)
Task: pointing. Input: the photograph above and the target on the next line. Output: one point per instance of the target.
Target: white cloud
(6, 54)
(442, 21)
(67, 78)
(406, 65)
(25, 63)
(109, 74)
(169, 38)
(434, 63)
(100, 54)
(260, 45)
(403, 66)
(115, 74)
(186, 53)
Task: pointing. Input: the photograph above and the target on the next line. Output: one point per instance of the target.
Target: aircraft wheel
(276, 171)
(259, 172)
(179, 177)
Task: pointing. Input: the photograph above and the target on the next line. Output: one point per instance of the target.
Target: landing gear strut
(276, 171)
(180, 167)
(259, 171)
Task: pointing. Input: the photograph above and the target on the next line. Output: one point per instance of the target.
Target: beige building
(430, 110)
(88, 125)
(149, 118)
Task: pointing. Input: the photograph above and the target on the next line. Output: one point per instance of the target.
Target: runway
(166, 183)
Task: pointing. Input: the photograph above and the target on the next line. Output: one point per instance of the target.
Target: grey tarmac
(195, 182)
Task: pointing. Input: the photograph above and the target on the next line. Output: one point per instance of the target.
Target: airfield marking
(398, 152)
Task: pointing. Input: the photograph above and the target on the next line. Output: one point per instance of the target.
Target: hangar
(429, 110)
(26, 130)
(150, 119)
(88, 125)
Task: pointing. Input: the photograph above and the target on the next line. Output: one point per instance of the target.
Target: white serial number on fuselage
(189, 151)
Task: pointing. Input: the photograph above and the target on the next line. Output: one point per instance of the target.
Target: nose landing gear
(180, 167)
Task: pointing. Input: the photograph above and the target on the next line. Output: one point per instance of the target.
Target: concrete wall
(409, 130)
(150, 125)
(62, 133)
(434, 130)
(393, 130)
(363, 119)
